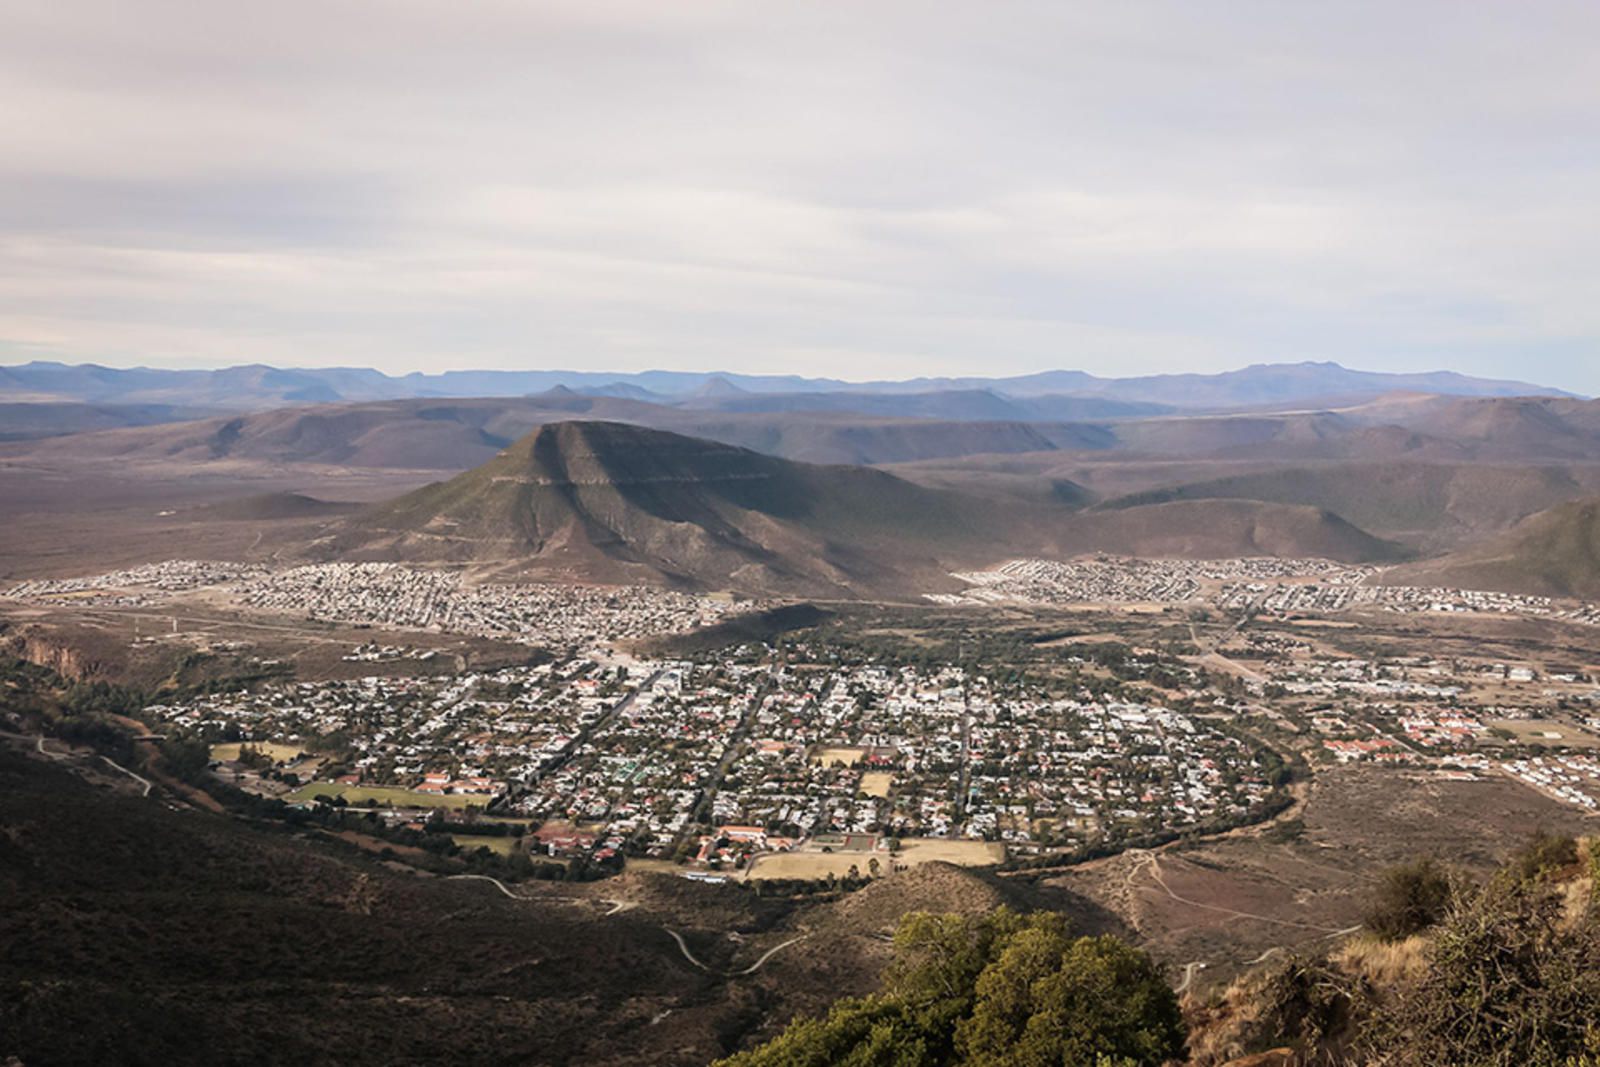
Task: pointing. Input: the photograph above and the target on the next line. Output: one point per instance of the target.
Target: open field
(82, 518)
(876, 783)
(827, 757)
(1546, 732)
(913, 851)
(502, 846)
(380, 795)
(279, 752)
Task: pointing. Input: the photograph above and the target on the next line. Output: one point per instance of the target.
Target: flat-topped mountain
(616, 502)
(607, 501)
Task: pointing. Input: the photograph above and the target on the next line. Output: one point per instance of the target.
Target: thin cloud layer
(858, 190)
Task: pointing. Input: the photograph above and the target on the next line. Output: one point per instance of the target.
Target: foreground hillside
(1446, 971)
(135, 934)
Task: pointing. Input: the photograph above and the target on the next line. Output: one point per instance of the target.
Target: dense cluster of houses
(654, 758)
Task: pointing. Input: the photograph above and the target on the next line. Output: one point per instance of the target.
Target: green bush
(1409, 899)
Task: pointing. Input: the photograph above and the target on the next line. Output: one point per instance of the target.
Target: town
(719, 761)
(731, 761)
(392, 595)
(1245, 586)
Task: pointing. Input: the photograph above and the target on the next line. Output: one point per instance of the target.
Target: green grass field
(379, 795)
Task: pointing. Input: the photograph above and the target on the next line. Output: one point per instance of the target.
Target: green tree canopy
(1000, 989)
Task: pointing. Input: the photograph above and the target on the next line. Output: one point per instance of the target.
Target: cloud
(863, 190)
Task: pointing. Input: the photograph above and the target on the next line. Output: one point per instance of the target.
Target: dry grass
(1384, 964)
(913, 851)
(280, 753)
(1545, 732)
(379, 795)
(502, 846)
(876, 783)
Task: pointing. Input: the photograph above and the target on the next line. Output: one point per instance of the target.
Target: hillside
(610, 501)
(1553, 553)
(615, 502)
(1434, 505)
(1216, 529)
(27, 421)
(981, 405)
(300, 952)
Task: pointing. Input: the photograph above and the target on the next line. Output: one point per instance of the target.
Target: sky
(861, 189)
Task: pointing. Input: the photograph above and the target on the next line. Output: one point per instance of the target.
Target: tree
(188, 757)
(1050, 999)
(996, 989)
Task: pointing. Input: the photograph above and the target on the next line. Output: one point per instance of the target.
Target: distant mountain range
(1278, 460)
(1047, 396)
(456, 434)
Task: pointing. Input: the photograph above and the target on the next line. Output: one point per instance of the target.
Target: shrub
(1409, 899)
(1510, 980)
(1545, 852)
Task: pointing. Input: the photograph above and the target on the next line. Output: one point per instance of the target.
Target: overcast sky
(852, 188)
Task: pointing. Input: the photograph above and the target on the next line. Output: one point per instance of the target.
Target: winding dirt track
(148, 785)
(1149, 861)
(1146, 861)
(618, 906)
(683, 947)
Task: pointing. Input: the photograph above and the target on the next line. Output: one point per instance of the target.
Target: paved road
(702, 810)
(583, 735)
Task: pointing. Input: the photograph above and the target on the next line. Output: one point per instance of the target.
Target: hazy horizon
(867, 192)
(716, 372)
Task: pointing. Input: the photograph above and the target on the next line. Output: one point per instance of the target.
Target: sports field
(501, 846)
(279, 752)
(381, 795)
(913, 850)
(876, 783)
(1545, 732)
(827, 757)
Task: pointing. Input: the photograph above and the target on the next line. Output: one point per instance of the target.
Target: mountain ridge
(253, 386)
